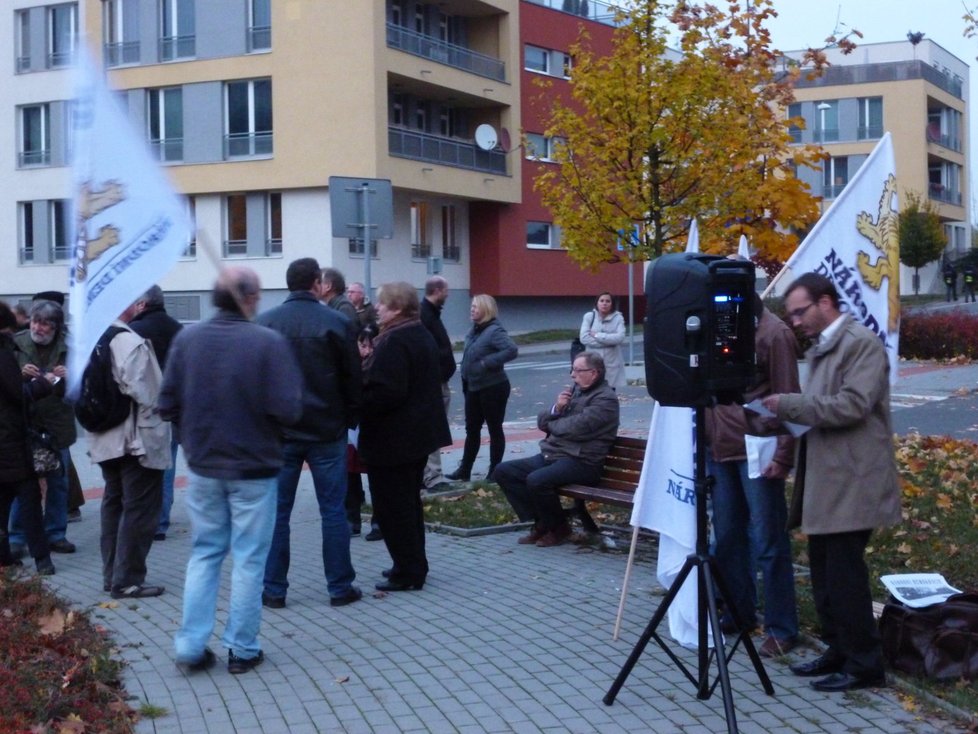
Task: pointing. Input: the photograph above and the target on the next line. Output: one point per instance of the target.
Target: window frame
(546, 59)
(450, 250)
(235, 247)
(259, 142)
(175, 40)
(163, 142)
(59, 58)
(553, 236)
(259, 36)
(42, 153)
(273, 224)
(418, 223)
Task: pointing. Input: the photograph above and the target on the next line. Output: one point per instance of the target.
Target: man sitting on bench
(580, 428)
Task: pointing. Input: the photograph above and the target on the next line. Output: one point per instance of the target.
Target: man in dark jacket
(330, 364)
(435, 295)
(230, 385)
(580, 428)
(154, 323)
(332, 292)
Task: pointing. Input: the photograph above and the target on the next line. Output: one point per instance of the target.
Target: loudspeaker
(699, 329)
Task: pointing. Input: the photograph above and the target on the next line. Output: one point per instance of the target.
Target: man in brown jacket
(846, 482)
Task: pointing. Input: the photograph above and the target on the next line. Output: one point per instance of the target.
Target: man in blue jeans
(230, 385)
(325, 348)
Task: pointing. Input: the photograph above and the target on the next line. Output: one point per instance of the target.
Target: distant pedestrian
(969, 283)
(403, 422)
(230, 386)
(950, 282)
(435, 295)
(603, 331)
(330, 364)
(366, 313)
(332, 292)
(485, 385)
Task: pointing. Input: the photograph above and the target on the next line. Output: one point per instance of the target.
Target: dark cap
(56, 296)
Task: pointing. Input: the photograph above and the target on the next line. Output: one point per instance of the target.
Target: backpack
(101, 405)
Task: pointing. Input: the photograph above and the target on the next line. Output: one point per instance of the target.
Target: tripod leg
(660, 613)
(723, 673)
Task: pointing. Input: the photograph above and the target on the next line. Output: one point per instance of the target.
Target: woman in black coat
(403, 421)
(17, 478)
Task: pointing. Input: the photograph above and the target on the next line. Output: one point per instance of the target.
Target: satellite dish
(485, 137)
(504, 141)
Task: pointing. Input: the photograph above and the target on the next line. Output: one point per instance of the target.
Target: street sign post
(351, 209)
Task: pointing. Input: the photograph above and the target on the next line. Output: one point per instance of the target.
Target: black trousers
(396, 495)
(843, 600)
(130, 513)
(485, 406)
(31, 518)
(531, 485)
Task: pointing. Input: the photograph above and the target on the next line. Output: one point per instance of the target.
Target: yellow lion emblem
(884, 233)
(92, 201)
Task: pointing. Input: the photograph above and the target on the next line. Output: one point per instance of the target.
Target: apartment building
(251, 105)
(919, 93)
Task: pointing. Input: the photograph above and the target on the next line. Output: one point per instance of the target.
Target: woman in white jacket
(603, 331)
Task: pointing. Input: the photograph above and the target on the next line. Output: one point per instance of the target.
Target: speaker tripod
(708, 579)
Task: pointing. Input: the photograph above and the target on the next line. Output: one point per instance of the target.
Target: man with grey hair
(580, 426)
(154, 323)
(332, 292)
(435, 295)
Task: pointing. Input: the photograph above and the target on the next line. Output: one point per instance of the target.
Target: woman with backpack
(603, 331)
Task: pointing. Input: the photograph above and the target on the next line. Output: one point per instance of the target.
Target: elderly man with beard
(43, 349)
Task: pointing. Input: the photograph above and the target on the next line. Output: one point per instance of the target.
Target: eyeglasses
(799, 312)
(579, 370)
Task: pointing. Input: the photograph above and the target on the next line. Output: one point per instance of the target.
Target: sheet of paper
(760, 453)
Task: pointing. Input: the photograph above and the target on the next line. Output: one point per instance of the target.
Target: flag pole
(624, 583)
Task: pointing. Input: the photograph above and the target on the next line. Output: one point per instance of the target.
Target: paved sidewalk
(503, 638)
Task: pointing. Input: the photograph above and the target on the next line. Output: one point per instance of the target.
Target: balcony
(826, 135)
(889, 71)
(833, 191)
(459, 57)
(869, 132)
(596, 10)
(177, 47)
(246, 145)
(939, 192)
(167, 150)
(420, 146)
(117, 54)
(28, 158)
(951, 142)
(259, 38)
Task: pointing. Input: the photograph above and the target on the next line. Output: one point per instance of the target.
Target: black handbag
(576, 348)
(44, 456)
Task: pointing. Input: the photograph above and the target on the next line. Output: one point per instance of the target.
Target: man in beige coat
(132, 456)
(846, 483)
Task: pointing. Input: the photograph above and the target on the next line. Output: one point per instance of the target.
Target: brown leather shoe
(772, 647)
(557, 536)
(536, 532)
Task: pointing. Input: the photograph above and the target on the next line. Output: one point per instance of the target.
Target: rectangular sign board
(346, 211)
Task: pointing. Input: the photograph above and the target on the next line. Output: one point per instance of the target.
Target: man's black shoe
(62, 546)
(159, 536)
(838, 682)
(205, 662)
(354, 594)
(273, 602)
(136, 591)
(374, 534)
(237, 666)
(822, 665)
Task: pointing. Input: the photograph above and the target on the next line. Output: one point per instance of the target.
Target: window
(835, 176)
(248, 122)
(236, 225)
(542, 148)
(827, 130)
(35, 136)
(536, 59)
(22, 31)
(191, 250)
(420, 117)
(120, 27)
(542, 236)
(273, 216)
(396, 14)
(177, 40)
(870, 118)
(420, 246)
(260, 25)
(165, 122)
(62, 32)
(449, 234)
(397, 110)
(43, 231)
(794, 111)
(356, 247)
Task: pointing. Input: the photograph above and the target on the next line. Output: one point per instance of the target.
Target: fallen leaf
(53, 623)
(343, 679)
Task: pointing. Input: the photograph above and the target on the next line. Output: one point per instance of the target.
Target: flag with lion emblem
(856, 244)
(129, 227)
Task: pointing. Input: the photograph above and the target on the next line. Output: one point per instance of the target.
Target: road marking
(906, 400)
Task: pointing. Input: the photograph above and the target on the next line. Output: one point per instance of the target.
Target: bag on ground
(938, 642)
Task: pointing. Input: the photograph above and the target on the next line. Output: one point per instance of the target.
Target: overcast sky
(804, 23)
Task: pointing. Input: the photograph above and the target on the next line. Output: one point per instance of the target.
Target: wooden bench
(619, 478)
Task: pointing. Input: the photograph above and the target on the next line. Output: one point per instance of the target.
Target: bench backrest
(623, 467)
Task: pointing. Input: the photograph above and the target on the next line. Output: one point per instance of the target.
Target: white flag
(693, 241)
(856, 244)
(665, 501)
(743, 248)
(129, 226)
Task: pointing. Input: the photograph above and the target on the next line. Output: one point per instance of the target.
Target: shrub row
(938, 335)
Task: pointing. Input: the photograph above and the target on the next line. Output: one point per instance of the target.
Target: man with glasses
(846, 478)
(580, 426)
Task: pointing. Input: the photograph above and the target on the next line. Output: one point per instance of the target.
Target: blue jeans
(749, 521)
(531, 485)
(327, 463)
(169, 477)
(225, 514)
(55, 506)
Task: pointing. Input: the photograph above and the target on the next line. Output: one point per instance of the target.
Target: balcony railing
(273, 246)
(951, 142)
(28, 158)
(420, 146)
(117, 54)
(596, 10)
(60, 59)
(429, 47)
(240, 145)
(23, 64)
(26, 255)
(942, 193)
(259, 38)
(167, 149)
(831, 192)
(177, 47)
(62, 252)
(795, 133)
(235, 248)
(826, 135)
(869, 132)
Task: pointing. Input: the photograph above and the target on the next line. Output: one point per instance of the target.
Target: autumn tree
(922, 238)
(653, 137)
